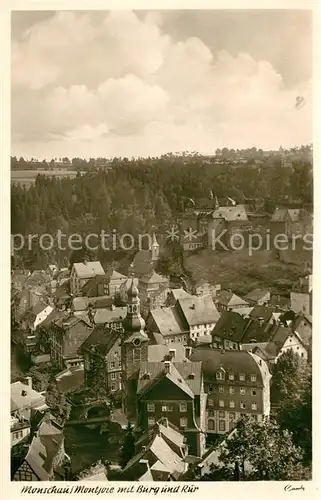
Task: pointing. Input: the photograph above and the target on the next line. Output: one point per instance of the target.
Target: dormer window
(220, 375)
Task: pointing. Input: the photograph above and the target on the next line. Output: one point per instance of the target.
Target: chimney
(188, 351)
(28, 382)
(172, 353)
(167, 366)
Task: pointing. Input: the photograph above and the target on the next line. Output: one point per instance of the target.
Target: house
(95, 472)
(160, 455)
(18, 278)
(96, 286)
(24, 399)
(228, 227)
(168, 352)
(226, 300)
(258, 297)
(70, 379)
(293, 222)
(81, 305)
(282, 339)
(175, 294)
(155, 300)
(19, 429)
(81, 273)
(206, 288)
(228, 331)
(167, 322)
(66, 335)
(175, 390)
(199, 313)
(109, 317)
(301, 296)
(36, 316)
(43, 456)
(144, 261)
(102, 359)
(153, 291)
(236, 383)
(302, 325)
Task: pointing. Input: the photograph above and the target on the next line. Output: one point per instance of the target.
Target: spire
(154, 248)
(133, 321)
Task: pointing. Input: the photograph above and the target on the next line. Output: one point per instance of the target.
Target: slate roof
(180, 375)
(168, 321)
(101, 340)
(103, 316)
(231, 213)
(153, 278)
(88, 269)
(160, 463)
(231, 361)
(256, 294)
(30, 399)
(199, 310)
(112, 274)
(230, 325)
(180, 293)
(70, 379)
(157, 353)
(229, 299)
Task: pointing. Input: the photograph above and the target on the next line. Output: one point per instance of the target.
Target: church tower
(134, 350)
(154, 249)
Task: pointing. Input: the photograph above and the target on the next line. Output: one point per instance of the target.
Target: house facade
(301, 296)
(81, 273)
(236, 383)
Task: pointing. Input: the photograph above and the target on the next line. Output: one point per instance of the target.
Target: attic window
(192, 375)
(23, 393)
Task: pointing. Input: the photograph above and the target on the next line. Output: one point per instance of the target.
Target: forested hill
(137, 196)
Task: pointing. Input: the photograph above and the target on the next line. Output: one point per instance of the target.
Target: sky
(145, 83)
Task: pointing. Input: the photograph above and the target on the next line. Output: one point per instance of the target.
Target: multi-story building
(168, 324)
(102, 359)
(66, 334)
(236, 383)
(228, 227)
(301, 296)
(173, 390)
(81, 273)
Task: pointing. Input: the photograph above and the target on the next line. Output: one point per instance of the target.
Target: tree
(262, 451)
(128, 448)
(57, 402)
(286, 376)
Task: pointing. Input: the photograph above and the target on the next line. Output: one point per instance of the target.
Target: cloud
(120, 85)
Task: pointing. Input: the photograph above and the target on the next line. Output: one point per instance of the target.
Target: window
(112, 365)
(253, 392)
(254, 406)
(150, 407)
(242, 405)
(221, 425)
(220, 375)
(221, 403)
(232, 404)
(242, 376)
(151, 421)
(119, 364)
(253, 378)
(113, 376)
(182, 407)
(167, 408)
(210, 389)
(113, 387)
(183, 422)
(210, 413)
(232, 415)
(211, 425)
(210, 402)
(221, 388)
(231, 376)
(242, 390)
(221, 414)
(232, 390)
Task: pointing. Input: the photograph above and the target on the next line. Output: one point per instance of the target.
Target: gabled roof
(70, 379)
(153, 278)
(256, 294)
(39, 307)
(199, 310)
(230, 326)
(231, 213)
(88, 269)
(279, 215)
(229, 299)
(112, 274)
(23, 396)
(101, 340)
(180, 293)
(180, 374)
(116, 315)
(168, 321)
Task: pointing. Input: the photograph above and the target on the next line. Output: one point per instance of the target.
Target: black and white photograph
(161, 185)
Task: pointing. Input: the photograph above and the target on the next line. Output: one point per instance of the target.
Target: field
(241, 272)
(28, 177)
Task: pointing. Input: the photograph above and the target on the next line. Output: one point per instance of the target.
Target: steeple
(154, 248)
(133, 322)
